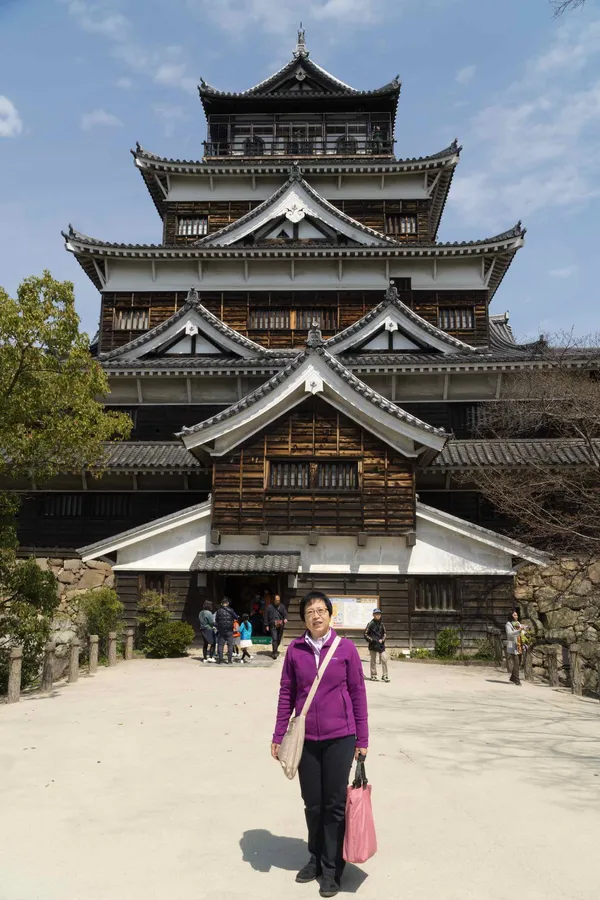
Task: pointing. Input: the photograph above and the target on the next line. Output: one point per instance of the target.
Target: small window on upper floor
(401, 224)
(332, 476)
(267, 319)
(436, 595)
(132, 318)
(63, 505)
(194, 226)
(324, 318)
(461, 319)
(111, 506)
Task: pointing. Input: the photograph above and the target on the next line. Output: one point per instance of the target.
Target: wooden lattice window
(436, 595)
(460, 319)
(132, 318)
(114, 506)
(334, 475)
(401, 224)
(63, 505)
(325, 318)
(192, 226)
(267, 319)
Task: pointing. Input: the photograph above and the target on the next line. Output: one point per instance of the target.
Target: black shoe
(329, 887)
(307, 874)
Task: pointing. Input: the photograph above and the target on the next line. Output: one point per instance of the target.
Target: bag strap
(319, 675)
(360, 775)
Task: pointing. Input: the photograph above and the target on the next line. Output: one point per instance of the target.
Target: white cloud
(563, 273)
(124, 83)
(464, 76)
(164, 66)
(10, 120)
(170, 116)
(538, 143)
(99, 118)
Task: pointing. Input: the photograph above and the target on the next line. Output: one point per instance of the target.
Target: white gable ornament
(191, 329)
(313, 384)
(390, 324)
(296, 212)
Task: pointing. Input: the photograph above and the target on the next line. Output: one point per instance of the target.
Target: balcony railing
(375, 145)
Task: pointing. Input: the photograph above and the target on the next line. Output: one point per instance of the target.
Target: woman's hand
(360, 751)
(275, 751)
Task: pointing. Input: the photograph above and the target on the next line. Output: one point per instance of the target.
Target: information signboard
(353, 612)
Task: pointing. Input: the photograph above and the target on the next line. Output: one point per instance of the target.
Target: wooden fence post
(112, 648)
(528, 663)
(74, 660)
(14, 675)
(93, 653)
(552, 658)
(129, 643)
(576, 672)
(48, 670)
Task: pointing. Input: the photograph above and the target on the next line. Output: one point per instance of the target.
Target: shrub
(168, 639)
(485, 650)
(420, 653)
(103, 612)
(447, 643)
(155, 609)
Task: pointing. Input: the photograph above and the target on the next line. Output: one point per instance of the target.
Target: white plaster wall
(438, 551)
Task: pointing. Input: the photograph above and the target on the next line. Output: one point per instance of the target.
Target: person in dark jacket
(276, 620)
(207, 630)
(337, 731)
(375, 637)
(225, 616)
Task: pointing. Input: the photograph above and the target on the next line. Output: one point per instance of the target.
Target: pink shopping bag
(360, 841)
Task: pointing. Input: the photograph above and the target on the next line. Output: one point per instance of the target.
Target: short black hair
(245, 617)
(315, 595)
(207, 605)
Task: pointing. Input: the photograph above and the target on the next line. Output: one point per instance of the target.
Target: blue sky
(81, 81)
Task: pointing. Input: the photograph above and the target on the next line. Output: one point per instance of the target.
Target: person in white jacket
(513, 645)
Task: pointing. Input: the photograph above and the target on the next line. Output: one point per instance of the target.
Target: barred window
(322, 476)
(290, 475)
(397, 224)
(196, 226)
(338, 476)
(132, 318)
(117, 506)
(325, 318)
(63, 505)
(436, 595)
(266, 319)
(461, 319)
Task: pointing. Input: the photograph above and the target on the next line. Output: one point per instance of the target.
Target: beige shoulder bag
(290, 751)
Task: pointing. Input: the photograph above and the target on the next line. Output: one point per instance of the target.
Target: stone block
(524, 592)
(66, 577)
(99, 565)
(92, 578)
(590, 634)
(561, 582)
(594, 573)
(562, 618)
(582, 588)
(55, 562)
(574, 602)
(110, 581)
(42, 562)
(73, 565)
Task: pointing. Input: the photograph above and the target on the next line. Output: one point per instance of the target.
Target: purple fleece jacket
(340, 704)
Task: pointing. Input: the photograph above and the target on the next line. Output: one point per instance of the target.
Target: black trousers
(223, 639)
(208, 648)
(324, 773)
(276, 637)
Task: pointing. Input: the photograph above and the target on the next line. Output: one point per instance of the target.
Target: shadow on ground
(265, 851)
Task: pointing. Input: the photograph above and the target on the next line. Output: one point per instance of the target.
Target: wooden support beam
(188, 386)
(383, 181)
(446, 386)
(134, 482)
(498, 385)
(576, 666)
(253, 181)
(200, 270)
(387, 270)
(435, 268)
(340, 269)
(245, 270)
(553, 666)
(339, 182)
(293, 269)
(211, 182)
(101, 275)
(153, 265)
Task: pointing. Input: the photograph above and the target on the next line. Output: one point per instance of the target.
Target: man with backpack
(276, 620)
(225, 616)
(375, 638)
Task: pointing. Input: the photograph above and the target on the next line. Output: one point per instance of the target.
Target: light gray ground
(154, 780)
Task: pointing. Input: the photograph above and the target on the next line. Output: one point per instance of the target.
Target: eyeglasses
(312, 613)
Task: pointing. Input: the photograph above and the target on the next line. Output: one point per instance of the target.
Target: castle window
(194, 226)
(114, 506)
(462, 319)
(325, 318)
(62, 505)
(331, 476)
(396, 224)
(131, 318)
(267, 319)
(436, 595)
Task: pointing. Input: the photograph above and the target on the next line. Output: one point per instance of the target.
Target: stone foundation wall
(74, 578)
(562, 603)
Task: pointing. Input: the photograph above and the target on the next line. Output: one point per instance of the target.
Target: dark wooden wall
(235, 309)
(384, 503)
(372, 213)
(180, 585)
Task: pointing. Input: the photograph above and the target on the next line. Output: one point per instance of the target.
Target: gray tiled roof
(246, 562)
(151, 456)
(502, 337)
(470, 454)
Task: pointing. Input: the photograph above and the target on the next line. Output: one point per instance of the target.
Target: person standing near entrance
(225, 616)
(337, 731)
(514, 648)
(246, 637)
(276, 622)
(375, 636)
(207, 630)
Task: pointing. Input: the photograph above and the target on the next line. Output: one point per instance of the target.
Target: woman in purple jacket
(336, 732)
